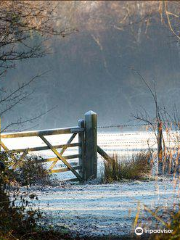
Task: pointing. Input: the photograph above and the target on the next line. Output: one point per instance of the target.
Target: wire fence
(129, 138)
(125, 125)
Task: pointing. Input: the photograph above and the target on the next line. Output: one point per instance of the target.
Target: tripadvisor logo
(138, 231)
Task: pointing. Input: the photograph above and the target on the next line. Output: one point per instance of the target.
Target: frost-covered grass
(105, 209)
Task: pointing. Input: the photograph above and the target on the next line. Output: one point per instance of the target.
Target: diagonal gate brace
(60, 157)
(17, 161)
(63, 150)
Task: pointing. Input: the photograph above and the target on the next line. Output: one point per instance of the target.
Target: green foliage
(134, 169)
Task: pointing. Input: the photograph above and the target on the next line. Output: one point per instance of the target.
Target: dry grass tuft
(135, 169)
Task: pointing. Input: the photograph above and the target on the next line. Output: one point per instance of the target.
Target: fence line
(125, 125)
(139, 125)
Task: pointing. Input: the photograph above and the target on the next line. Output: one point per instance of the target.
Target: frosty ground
(104, 209)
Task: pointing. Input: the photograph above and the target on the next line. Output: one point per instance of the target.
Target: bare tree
(155, 123)
(25, 26)
(163, 121)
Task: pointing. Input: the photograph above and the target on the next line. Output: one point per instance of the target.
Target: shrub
(29, 171)
(15, 220)
(18, 220)
(136, 168)
(22, 222)
(10, 176)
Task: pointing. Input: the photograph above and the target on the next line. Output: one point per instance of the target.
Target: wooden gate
(87, 148)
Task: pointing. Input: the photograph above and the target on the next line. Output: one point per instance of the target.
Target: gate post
(81, 149)
(90, 145)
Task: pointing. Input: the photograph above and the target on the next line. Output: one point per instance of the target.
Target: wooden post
(160, 158)
(81, 150)
(90, 145)
(0, 134)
